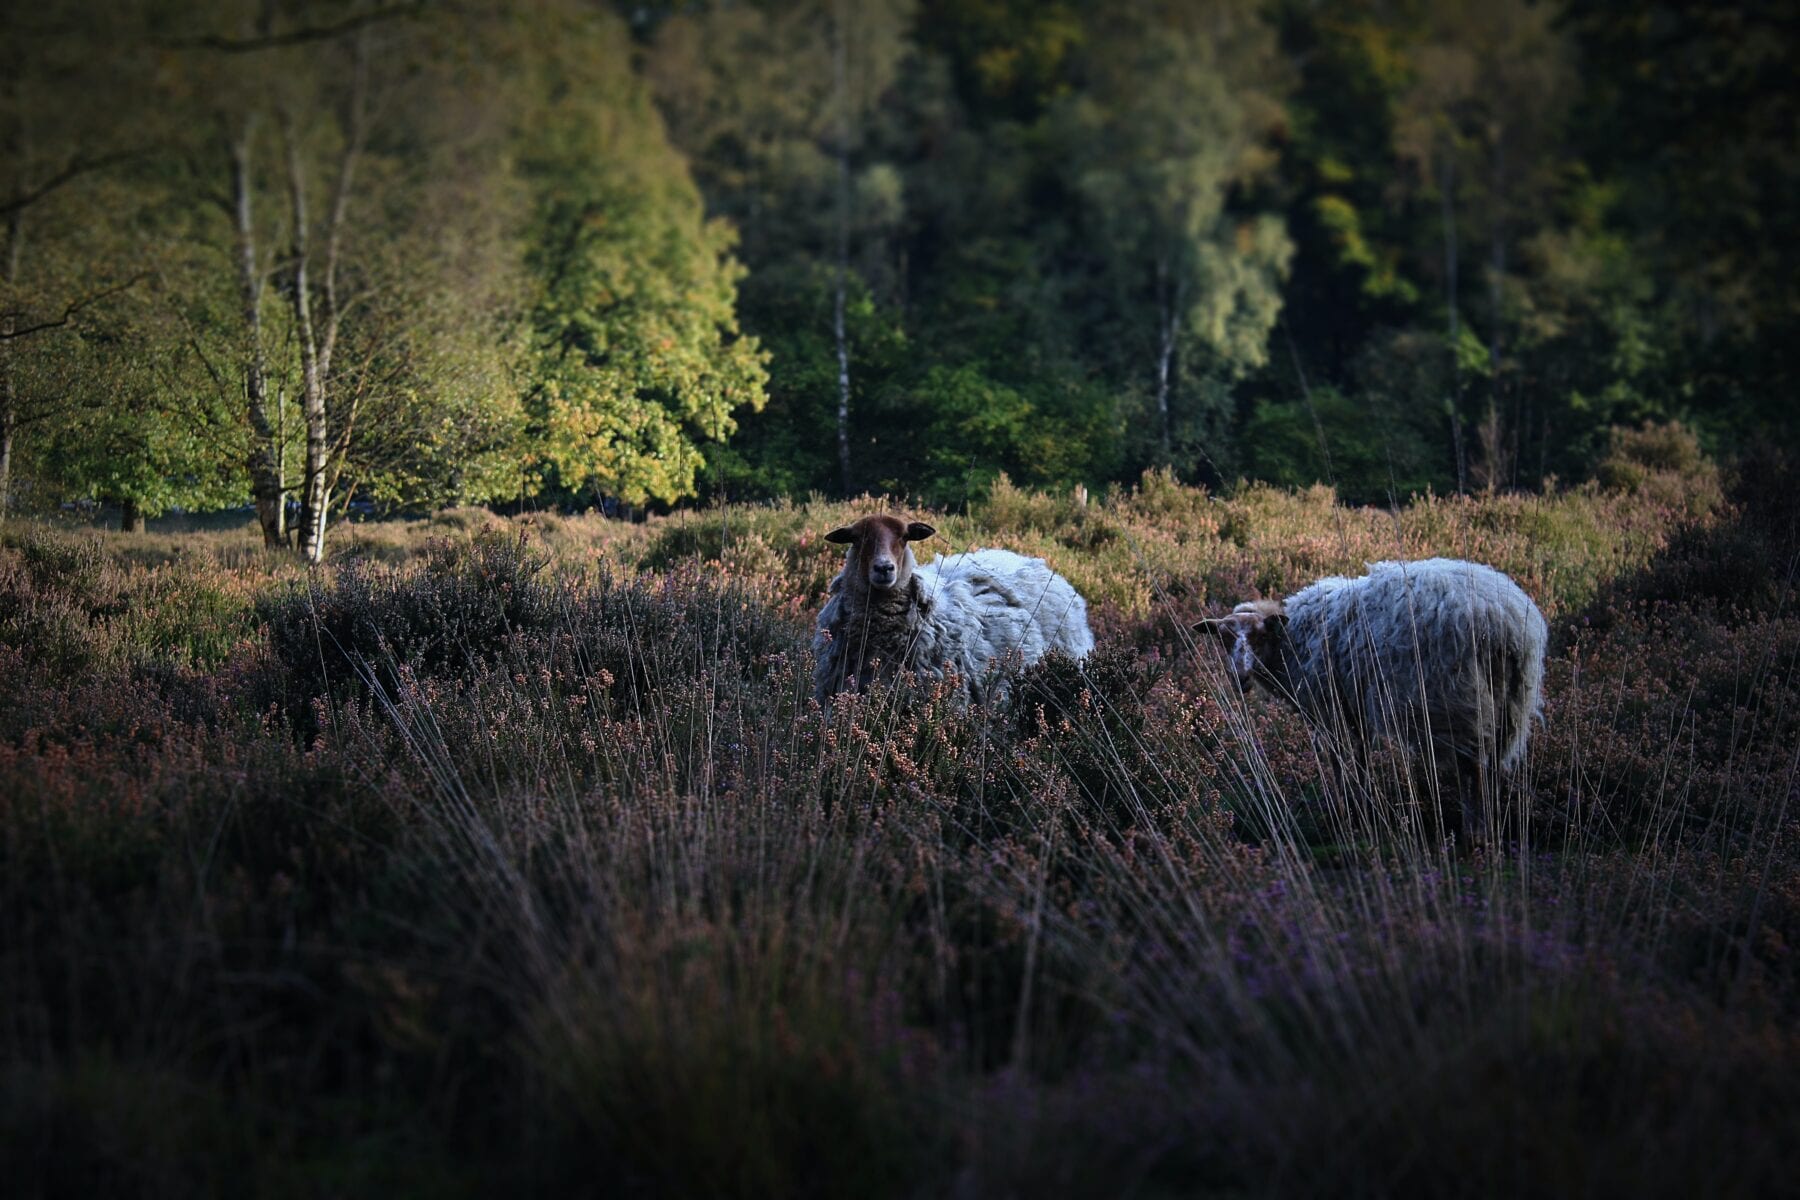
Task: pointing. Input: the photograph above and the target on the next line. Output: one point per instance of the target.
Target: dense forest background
(511, 852)
(416, 254)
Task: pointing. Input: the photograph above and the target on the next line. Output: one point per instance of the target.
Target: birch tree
(365, 194)
(1177, 117)
(316, 334)
(778, 103)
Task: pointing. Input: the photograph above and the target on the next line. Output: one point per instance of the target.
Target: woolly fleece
(1456, 641)
(958, 612)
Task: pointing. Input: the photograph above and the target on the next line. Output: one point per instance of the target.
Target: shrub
(458, 608)
(1663, 463)
(586, 886)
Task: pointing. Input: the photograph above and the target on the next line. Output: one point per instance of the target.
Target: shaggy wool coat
(1453, 643)
(967, 613)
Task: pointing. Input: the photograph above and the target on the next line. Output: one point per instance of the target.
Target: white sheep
(959, 613)
(1439, 654)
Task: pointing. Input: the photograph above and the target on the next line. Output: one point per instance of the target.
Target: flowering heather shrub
(41, 627)
(1665, 462)
(556, 873)
(458, 607)
(1142, 549)
(65, 604)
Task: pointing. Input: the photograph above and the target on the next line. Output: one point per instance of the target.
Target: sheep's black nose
(882, 572)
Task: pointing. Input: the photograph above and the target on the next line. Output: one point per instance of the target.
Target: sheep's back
(1018, 603)
(1454, 640)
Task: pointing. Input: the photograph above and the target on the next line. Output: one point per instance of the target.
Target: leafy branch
(294, 37)
(73, 170)
(69, 312)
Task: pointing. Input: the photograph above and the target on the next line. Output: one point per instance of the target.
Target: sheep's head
(879, 558)
(1252, 637)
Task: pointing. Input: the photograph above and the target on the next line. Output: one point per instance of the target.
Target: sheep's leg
(1441, 815)
(1343, 779)
(1441, 772)
(1519, 799)
(1472, 796)
(1465, 815)
(1337, 801)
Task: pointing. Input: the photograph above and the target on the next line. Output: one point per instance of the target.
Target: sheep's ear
(1223, 628)
(918, 531)
(842, 536)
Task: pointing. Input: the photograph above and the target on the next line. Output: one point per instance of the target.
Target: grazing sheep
(1440, 653)
(960, 613)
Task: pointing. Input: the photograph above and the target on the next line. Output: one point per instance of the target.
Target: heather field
(513, 856)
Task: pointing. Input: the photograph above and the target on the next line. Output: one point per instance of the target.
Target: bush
(594, 889)
(1663, 463)
(441, 619)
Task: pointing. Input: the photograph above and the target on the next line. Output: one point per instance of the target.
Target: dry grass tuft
(516, 855)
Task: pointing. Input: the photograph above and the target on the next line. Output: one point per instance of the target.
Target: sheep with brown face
(879, 558)
(960, 614)
(1442, 656)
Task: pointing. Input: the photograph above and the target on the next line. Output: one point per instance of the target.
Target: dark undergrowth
(498, 873)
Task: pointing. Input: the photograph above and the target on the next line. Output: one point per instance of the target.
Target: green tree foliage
(67, 253)
(143, 427)
(788, 448)
(1180, 105)
(1352, 270)
(1363, 443)
(1689, 109)
(638, 359)
(1002, 284)
(1444, 182)
(779, 106)
(316, 250)
(316, 209)
(1479, 125)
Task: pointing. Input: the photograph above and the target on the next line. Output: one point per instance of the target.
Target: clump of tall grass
(526, 863)
(1119, 877)
(68, 605)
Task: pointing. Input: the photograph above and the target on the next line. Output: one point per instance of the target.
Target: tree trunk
(354, 128)
(1544, 447)
(8, 424)
(313, 497)
(1446, 190)
(6, 453)
(266, 481)
(1493, 448)
(1165, 358)
(839, 37)
(131, 517)
(1500, 463)
(9, 399)
(318, 339)
(843, 358)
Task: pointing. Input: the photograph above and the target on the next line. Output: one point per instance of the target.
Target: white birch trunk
(318, 333)
(15, 232)
(1165, 359)
(266, 482)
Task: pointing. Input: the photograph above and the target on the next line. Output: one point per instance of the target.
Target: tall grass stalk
(532, 863)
